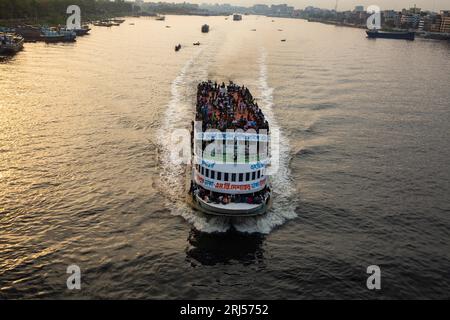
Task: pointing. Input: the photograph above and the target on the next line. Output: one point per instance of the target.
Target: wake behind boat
(230, 141)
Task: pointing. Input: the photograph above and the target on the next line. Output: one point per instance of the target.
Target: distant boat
(103, 24)
(167, 26)
(283, 40)
(82, 31)
(253, 29)
(58, 35)
(177, 47)
(160, 18)
(403, 35)
(10, 43)
(119, 21)
(132, 24)
(237, 17)
(205, 28)
(196, 43)
(29, 33)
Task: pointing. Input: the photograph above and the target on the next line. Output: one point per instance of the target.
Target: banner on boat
(232, 188)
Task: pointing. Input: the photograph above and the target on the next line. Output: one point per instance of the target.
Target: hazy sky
(342, 4)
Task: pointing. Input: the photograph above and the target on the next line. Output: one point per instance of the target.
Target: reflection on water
(364, 167)
(223, 248)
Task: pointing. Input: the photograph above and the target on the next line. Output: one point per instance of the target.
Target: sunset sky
(342, 5)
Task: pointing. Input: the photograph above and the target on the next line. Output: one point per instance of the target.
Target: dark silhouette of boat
(205, 28)
(402, 35)
(237, 17)
(10, 43)
(196, 43)
(29, 33)
(177, 47)
(82, 31)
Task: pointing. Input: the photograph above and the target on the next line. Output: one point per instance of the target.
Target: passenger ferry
(230, 144)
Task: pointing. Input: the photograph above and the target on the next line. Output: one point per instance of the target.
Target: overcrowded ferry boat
(230, 143)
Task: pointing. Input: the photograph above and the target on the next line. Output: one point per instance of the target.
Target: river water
(364, 178)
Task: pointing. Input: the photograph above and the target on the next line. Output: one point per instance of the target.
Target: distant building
(281, 9)
(436, 23)
(445, 24)
(261, 9)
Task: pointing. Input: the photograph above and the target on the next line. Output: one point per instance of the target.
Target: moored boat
(52, 35)
(103, 24)
(82, 31)
(10, 43)
(402, 35)
(160, 18)
(29, 33)
(228, 176)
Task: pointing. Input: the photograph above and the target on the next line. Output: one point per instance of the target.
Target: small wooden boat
(205, 28)
(160, 18)
(103, 24)
(82, 31)
(119, 21)
(29, 33)
(283, 40)
(58, 35)
(177, 47)
(196, 43)
(10, 43)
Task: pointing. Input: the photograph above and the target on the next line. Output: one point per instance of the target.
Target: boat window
(241, 177)
(233, 177)
(213, 174)
(254, 175)
(259, 174)
(219, 175)
(207, 173)
(225, 177)
(203, 171)
(247, 176)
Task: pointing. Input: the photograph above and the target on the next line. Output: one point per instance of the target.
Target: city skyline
(435, 5)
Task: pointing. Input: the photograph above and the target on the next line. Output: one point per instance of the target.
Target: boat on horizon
(237, 17)
(227, 174)
(401, 35)
(205, 28)
(160, 18)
